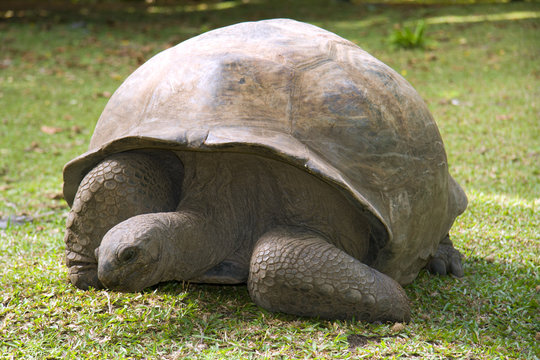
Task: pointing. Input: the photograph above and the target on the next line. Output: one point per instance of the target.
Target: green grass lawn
(479, 74)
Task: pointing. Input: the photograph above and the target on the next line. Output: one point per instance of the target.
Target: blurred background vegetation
(474, 62)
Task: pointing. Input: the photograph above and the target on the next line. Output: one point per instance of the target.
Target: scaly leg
(298, 272)
(121, 186)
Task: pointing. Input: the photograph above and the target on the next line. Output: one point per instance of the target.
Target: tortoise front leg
(298, 272)
(121, 186)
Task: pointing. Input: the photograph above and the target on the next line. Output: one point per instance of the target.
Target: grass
(408, 38)
(480, 78)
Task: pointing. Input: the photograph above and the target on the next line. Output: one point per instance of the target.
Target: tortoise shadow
(439, 305)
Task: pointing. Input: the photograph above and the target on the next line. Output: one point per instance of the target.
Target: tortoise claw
(84, 279)
(437, 266)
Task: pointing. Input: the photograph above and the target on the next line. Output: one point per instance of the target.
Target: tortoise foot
(447, 260)
(85, 277)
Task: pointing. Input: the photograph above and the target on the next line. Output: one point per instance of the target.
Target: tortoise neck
(210, 221)
(191, 247)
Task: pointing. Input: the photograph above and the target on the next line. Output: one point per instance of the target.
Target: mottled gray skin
(302, 247)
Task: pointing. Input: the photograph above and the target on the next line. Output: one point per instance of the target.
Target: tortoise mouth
(132, 278)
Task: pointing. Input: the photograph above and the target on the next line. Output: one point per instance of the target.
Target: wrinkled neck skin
(193, 249)
(214, 217)
(186, 249)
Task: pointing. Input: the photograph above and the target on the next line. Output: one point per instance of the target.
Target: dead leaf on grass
(55, 196)
(357, 340)
(14, 220)
(431, 57)
(397, 327)
(115, 76)
(54, 206)
(51, 130)
(503, 117)
(76, 129)
(4, 64)
(104, 94)
(34, 146)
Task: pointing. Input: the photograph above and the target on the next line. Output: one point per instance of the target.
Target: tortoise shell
(297, 93)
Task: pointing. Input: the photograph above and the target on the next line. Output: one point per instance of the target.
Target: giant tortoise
(273, 153)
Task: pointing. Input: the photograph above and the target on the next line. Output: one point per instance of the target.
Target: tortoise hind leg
(121, 186)
(298, 272)
(447, 260)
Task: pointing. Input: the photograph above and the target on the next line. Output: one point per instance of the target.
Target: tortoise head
(133, 254)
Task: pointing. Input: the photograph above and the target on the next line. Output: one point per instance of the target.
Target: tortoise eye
(127, 254)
